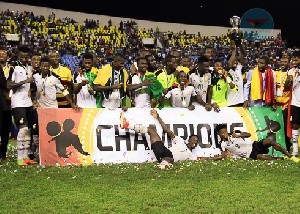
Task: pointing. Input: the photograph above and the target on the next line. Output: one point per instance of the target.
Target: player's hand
(246, 104)
(153, 103)
(216, 107)
(154, 113)
(117, 86)
(91, 91)
(147, 82)
(191, 107)
(76, 107)
(273, 107)
(165, 91)
(235, 135)
(124, 108)
(84, 82)
(29, 80)
(35, 104)
(208, 107)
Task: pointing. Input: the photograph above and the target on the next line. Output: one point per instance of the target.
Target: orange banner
(59, 136)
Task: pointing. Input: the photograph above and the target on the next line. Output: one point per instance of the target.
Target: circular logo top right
(257, 23)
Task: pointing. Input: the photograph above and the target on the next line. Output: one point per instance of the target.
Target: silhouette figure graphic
(272, 126)
(64, 138)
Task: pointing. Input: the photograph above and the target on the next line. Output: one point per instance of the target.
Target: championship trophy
(236, 34)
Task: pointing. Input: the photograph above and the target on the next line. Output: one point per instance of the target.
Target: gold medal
(203, 92)
(43, 93)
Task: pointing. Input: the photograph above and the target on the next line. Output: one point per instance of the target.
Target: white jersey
(180, 150)
(21, 96)
(46, 90)
(181, 98)
(237, 97)
(238, 147)
(141, 96)
(201, 84)
(296, 86)
(84, 99)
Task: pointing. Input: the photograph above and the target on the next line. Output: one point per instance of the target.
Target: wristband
(228, 79)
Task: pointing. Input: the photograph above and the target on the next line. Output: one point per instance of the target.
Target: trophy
(236, 35)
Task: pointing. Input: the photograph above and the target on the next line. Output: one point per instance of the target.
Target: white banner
(94, 135)
(114, 144)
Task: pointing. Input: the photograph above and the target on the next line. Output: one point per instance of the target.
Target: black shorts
(160, 151)
(295, 115)
(258, 148)
(23, 116)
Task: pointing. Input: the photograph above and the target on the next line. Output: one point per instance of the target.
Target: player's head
(193, 142)
(221, 130)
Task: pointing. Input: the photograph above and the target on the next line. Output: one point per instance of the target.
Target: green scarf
(91, 77)
(156, 88)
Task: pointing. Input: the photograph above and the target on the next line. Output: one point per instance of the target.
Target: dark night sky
(202, 12)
